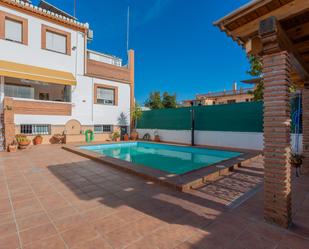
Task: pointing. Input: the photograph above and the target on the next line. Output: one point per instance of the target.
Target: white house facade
(52, 84)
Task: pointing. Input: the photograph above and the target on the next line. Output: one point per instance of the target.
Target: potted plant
(136, 114)
(156, 136)
(296, 162)
(23, 141)
(37, 140)
(116, 136)
(13, 146)
(126, 137)
(57, 139)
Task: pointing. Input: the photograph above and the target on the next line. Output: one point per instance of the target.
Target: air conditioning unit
(90, 35)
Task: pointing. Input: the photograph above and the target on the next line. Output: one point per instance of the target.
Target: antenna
(75, 8)
(128, 27)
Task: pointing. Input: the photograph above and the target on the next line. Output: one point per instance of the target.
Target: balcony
(37, 98)
(106, 67)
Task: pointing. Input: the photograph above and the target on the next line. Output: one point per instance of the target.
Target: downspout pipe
(192, 124)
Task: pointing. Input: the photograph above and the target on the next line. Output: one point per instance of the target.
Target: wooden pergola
(278, 32)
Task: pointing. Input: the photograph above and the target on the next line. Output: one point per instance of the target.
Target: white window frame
(52, 47)
(105, 101)
(102, 130)
(6, 21)
(35, 129)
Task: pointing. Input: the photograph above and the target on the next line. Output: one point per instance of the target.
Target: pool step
(246, 165)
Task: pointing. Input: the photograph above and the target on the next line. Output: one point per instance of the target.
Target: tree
(136, 114)
(256, 70)
(256, 67)
(154, 101)
(169, 101)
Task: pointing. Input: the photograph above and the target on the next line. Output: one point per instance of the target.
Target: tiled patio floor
(51, 198)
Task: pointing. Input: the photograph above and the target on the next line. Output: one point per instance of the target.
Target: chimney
(235, 86)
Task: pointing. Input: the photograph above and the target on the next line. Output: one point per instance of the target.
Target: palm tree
(136, 114)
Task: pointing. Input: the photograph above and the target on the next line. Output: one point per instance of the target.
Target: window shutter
(56, 42)
(13, 30)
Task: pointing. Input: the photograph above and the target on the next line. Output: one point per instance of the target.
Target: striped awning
(22, 71)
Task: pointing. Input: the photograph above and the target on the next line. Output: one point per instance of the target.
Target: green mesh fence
(167, 119)
(241, 117)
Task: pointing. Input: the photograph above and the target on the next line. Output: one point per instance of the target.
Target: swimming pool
(168, 158)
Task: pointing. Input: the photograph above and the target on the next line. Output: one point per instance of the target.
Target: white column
(1, 92)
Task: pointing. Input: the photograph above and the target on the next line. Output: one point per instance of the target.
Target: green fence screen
(241, 117)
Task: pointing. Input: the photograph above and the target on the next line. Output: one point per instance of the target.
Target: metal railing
(109, 59)
(226, 93)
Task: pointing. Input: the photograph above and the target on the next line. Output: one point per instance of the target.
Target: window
(106, 95)
(103, 128)
(35, 129)
(43, 96)
(231, 101)
(13, 30)
(56, 40)
(16, 91)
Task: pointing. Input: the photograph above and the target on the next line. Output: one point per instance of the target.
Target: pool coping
(182, 182)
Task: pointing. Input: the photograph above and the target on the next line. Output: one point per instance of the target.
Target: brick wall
(305, 98)
(277, 186)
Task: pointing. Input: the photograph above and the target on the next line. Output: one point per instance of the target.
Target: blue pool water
(169, 158)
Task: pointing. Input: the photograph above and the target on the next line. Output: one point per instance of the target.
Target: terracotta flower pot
(12, 148)
(134, 135)
(157, 138)
(37, 140)
(23, 144)
(126, 137)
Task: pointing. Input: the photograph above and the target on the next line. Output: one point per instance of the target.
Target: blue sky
(176, 46)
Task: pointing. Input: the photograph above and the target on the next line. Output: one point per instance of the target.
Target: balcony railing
(100, 57)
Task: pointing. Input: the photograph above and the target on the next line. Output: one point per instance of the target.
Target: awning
(22, 71)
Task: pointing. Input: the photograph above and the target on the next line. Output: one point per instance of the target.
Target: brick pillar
(277, 186)
(305, 100)
(132, 73)
(9, 126)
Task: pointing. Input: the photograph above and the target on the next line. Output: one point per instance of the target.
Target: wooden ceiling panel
(298, 31)
(274, 5)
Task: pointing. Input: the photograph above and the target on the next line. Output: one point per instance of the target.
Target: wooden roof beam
(275, 39)
(281, 13)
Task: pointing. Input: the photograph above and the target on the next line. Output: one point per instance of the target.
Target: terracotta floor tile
(54, 242)
(9, 242)
(123, 210)
(22, 197)
(52, 202)
(70, 222)
(5, 206)
(97, 213)
(294, 242)
(108, 224)
(97, 243)
(79, 235)
(6, 218)
(37, 233)
(7, 229)
(61, 212)
(251, 240)
(32, 221)
(122, 237)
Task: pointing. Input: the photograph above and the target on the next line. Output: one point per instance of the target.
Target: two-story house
(50, 83)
